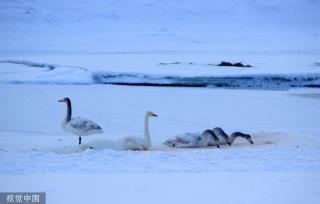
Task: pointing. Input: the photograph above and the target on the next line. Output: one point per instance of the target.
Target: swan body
(78, 126)
(100, 144)
(193, 140)
(136, 143)
(183, 141)
(81, 126)
(133, 143)
(225, 139)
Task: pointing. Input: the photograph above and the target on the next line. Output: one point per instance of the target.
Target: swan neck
(146, 132)
(204, 140)
(232, 138)
(69, 112)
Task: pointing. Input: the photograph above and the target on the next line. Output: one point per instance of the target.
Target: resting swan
(78, 126)
(224, 139)
(193, 140)
(136, 143)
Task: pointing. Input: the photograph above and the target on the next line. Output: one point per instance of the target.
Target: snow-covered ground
(283, 161)
(53, 49)
(162, 26)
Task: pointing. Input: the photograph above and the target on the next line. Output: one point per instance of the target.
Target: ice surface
(253, 78)
(54, 49)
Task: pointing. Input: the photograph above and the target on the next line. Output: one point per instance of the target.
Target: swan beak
(61, 100)
(154, 115)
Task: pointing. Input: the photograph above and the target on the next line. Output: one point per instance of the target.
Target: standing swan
(136, 143)
(224, 139)
(193, 140)
(78, 126)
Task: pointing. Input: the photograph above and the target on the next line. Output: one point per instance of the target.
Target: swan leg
(79, 140)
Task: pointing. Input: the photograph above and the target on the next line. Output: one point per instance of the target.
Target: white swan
(193, 140)
(136, 143)
(225, 139)
(78, 126)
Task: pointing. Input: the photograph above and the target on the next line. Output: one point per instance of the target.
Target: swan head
(244, 136)
(64, 100)
(248, 137)
(149, 113)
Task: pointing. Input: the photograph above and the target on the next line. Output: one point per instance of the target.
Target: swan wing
(186, 140)
(83, 126)
(182, 140)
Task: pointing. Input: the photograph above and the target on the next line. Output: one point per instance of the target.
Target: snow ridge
(259, 81)
(30, 64)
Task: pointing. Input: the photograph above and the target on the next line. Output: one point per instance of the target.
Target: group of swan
(215, 137)
(83, 127)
